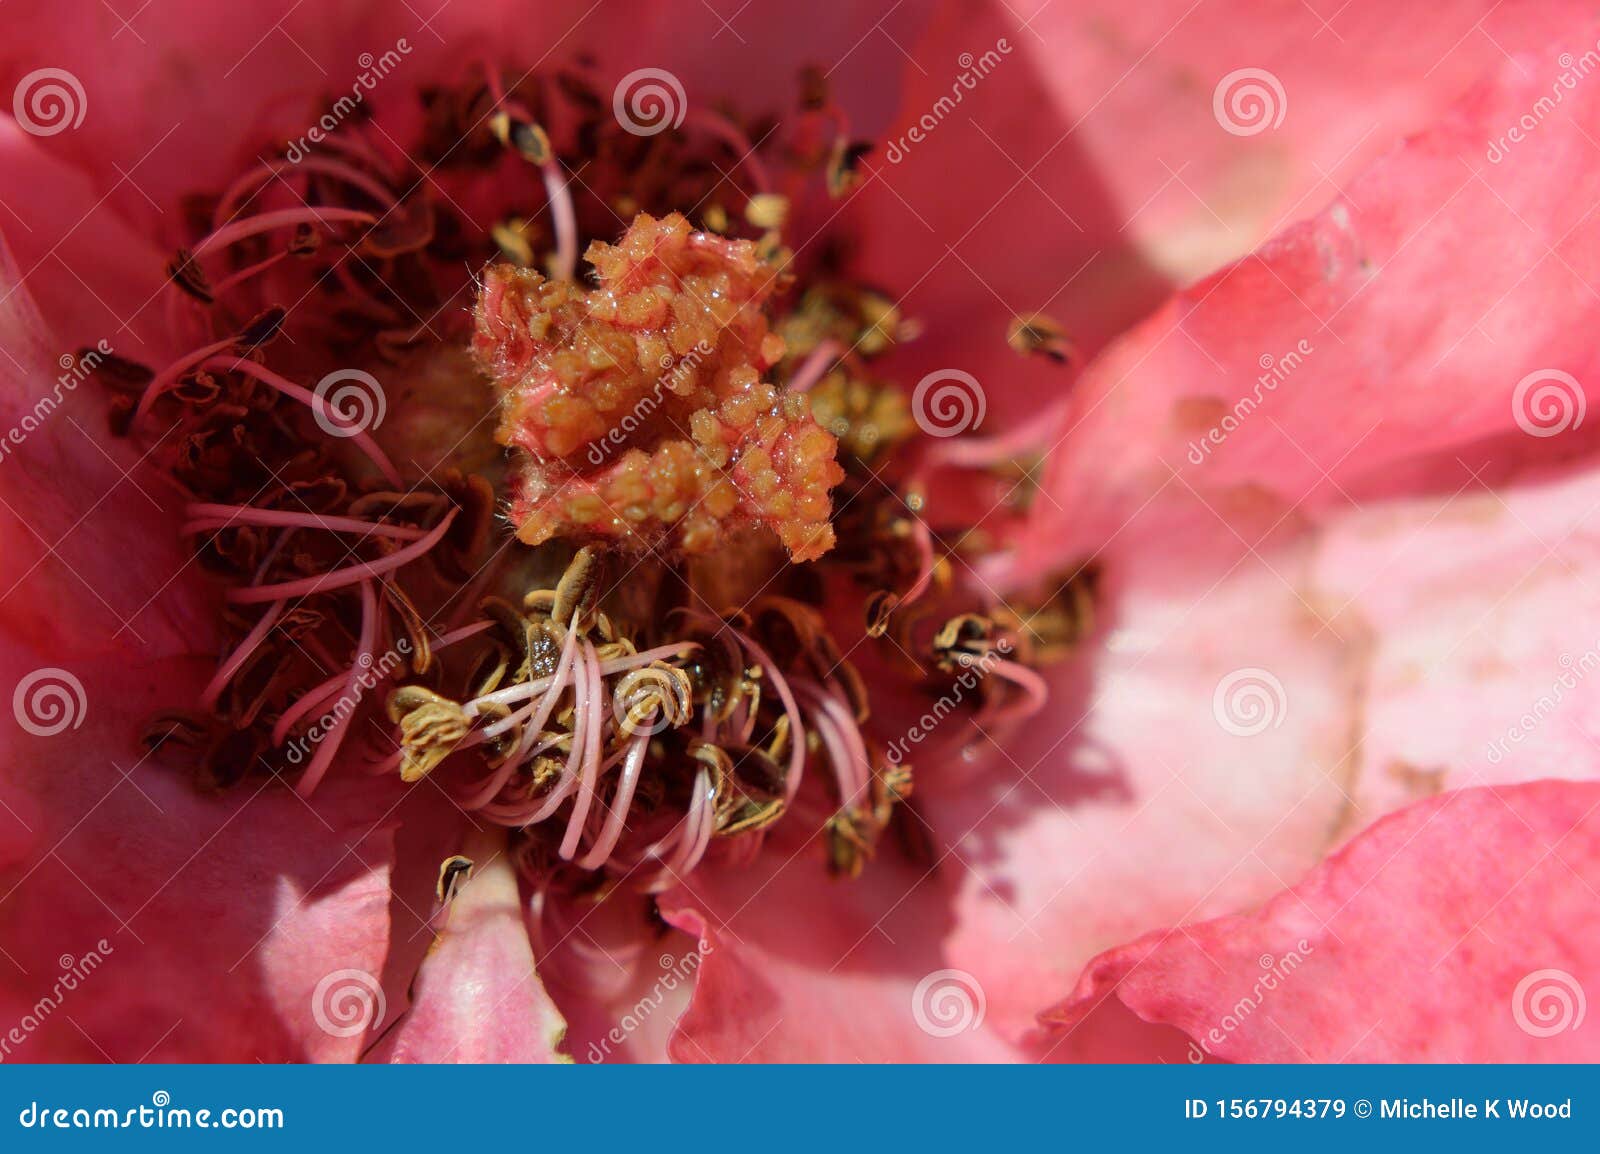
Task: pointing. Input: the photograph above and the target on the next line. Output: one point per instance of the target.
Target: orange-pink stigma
(570, 537)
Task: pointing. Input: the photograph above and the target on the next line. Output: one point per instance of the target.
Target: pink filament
(239, 656)
(592, 725)
(315, 403)
(205, 517)
(334, 737)
(564, 215)
(339, 578)
(172, 372)
(842, 737)
(257, 177)
(791, 709)
(307, 702)
(278, 218)
(715, 125)
(815, 366)
(558, 682)
(632, 767)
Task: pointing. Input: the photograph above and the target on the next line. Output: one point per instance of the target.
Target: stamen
(313, 402)
(279, 218)
(239, 656)
(339, 578)
(333, 737)
(205, 517)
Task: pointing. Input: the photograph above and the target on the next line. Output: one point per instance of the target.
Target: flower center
(697, 461)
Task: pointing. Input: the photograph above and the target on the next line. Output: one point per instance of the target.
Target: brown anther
(578, 592)
(185, 272)
(963, 641)
(454, 872)
(262, 329)
(844, 165)
(1038, 334)
(305, 240)
(116, 372)
(430, 728)
(880, 606)
(641, 694)
(407, 227)
(415, 628)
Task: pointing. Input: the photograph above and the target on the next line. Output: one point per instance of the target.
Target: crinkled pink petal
(795, 966)
(478, 996)
(1085, 171)
(1461, 929)
(1334, 353)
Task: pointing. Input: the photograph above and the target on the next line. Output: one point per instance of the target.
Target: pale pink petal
(478, 996)
(1458, 930)
(1190, 759)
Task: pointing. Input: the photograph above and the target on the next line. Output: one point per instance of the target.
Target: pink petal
(1085, 171)
(478, 997)
(230, 921)
(1130, 803)
(1458, 930)
(1470, 607)
(1390, 367)
(795, 966)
